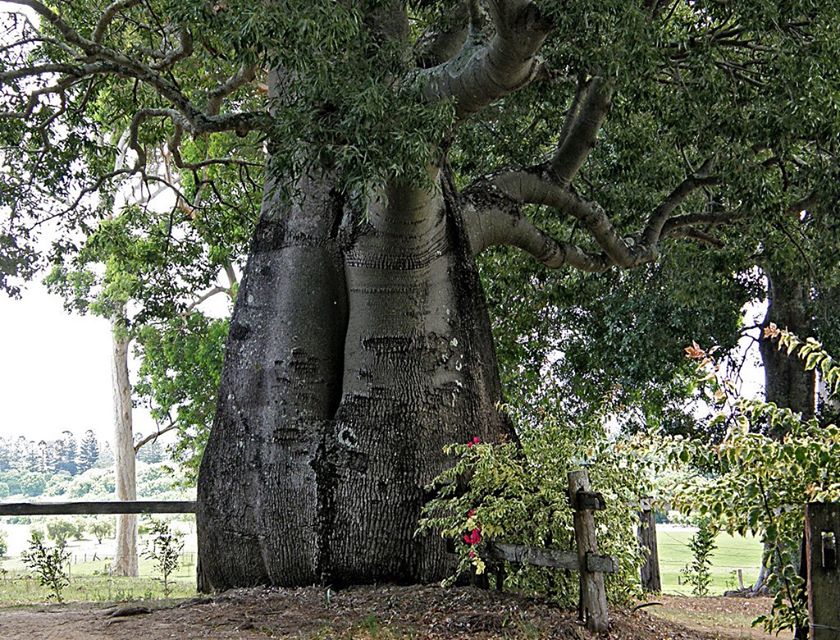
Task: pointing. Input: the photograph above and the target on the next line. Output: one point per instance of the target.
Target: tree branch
(493, 219)
(660, 215)
(588, 112)
(154, 436)
(109, 14)
(481, 74)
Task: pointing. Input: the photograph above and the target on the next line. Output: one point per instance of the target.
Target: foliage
(179, 375)
(4, 546)
(164, 549)
(49, 563)
(60, 531)
(760, 484)
(697, 573)
(102, 529)
(518, 493)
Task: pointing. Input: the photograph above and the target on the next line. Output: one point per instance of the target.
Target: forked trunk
(125, 556)
(354, 357)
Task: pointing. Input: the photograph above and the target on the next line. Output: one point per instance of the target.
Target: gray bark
(786, 382)
(125, 556)
(351, 362)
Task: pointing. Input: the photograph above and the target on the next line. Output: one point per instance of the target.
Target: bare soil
(384, 612)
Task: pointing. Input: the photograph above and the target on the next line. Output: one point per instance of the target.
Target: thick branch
(588, 112)
(481, 74)
(109, 14)
(663, 212)
(531, 187)
(493, 219)
(440, 43)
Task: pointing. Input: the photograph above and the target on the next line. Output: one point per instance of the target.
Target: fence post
(651, 578)
(592, 592)
(822, 534)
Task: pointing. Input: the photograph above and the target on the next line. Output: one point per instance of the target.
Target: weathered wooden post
(822, 533)
(651, 578)
(593, 594)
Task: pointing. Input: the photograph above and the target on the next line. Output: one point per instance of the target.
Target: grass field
(732, 553)
(90, 580)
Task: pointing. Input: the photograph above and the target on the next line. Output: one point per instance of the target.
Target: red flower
(472, 553)
(473, 537)
(475, 440)
(470, 513)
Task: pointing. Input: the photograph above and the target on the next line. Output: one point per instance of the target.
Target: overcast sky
(55, 370)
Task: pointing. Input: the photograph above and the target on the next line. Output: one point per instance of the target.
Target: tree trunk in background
(351, 363)
(125, 557)
(786, 382)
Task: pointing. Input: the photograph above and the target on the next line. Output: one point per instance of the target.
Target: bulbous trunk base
(348, 370)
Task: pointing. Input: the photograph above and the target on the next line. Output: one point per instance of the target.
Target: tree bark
(786, 382)
(351, 363)
(125, 556)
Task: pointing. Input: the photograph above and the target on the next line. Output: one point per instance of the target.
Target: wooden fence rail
(96, 507)
(585, 559)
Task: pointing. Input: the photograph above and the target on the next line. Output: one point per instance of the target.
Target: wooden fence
(822, 533)
(585, 559)
(96, 507)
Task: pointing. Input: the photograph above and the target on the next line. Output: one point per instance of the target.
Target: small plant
(164, 549)
(697, 573)
(102, 529)
(3, 545)
(49, 563)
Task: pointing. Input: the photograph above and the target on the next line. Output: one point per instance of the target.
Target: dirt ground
(384, 612)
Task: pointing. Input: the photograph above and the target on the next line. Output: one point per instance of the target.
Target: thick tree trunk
(125, 557)
(351, 362)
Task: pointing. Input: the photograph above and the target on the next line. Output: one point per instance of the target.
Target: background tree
(88, 451)
(403, 140)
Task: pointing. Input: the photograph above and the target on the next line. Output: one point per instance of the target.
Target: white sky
(55, 370)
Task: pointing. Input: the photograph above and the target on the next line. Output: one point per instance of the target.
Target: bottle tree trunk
(356, 353)
(125, 556)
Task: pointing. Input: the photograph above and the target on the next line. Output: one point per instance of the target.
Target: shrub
(49, 564)
(518, 494)
(164, 549)
(697, 573)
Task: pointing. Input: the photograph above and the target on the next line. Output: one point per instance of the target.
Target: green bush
(60, 531)
(518, 494)
(761, 483)
(49, 564)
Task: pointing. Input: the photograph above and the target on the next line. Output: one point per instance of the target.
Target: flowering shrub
(517, 493)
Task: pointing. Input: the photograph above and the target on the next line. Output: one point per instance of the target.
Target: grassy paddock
(89, 579)
(732, 553)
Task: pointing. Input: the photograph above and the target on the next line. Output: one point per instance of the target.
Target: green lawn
(732, 553)
(89, 581)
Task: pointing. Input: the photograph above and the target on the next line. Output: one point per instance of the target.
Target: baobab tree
(401, 140)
